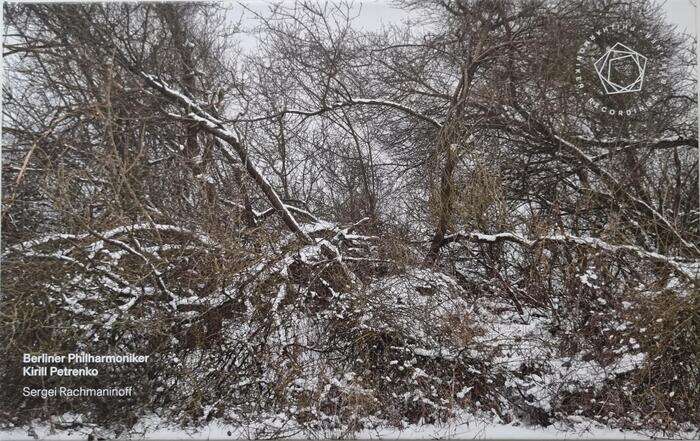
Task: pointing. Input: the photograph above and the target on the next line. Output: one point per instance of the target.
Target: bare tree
(346, 225)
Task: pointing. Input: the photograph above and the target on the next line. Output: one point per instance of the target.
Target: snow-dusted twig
(157, 274)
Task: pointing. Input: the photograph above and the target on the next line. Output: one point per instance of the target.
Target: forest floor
(467, 427)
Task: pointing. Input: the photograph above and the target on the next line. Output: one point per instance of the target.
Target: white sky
(684, 14)
(373, 13)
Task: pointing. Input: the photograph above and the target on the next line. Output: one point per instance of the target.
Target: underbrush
(332, 339)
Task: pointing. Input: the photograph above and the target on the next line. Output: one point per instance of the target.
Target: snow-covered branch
(616, 187)
(231, 147)
(667, 142)
(687, 269)
(261, 215)
(106, 235)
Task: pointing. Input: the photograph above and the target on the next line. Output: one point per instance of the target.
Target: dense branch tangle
(345, 224)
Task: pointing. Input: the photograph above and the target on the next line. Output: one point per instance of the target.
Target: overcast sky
(683, 13)
(375, 12)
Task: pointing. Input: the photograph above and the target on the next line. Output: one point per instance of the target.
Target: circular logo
(611, 68)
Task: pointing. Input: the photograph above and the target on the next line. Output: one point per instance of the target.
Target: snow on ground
(467, 427)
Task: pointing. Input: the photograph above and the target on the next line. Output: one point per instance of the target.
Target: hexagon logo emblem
(621, 69)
